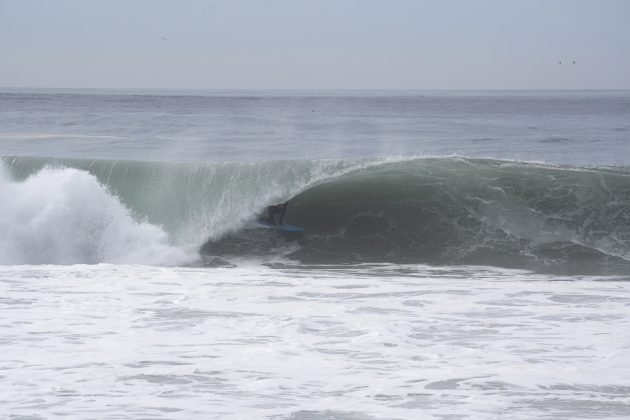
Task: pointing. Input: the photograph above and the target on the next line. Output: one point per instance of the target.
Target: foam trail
(65, 216)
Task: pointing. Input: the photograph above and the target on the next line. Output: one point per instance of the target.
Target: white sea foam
(64, 216)
(391, 342)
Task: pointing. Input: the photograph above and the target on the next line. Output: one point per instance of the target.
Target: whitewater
(465, 254)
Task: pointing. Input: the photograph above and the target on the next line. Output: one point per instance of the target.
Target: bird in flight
(164, 38)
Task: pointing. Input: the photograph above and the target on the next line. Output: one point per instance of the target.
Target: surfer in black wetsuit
(276, 209)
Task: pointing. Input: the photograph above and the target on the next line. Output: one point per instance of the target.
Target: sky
(315, 44)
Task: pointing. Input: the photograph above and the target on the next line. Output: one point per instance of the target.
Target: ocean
(465, 254)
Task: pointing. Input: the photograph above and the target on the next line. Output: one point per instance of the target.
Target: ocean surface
(465, 255)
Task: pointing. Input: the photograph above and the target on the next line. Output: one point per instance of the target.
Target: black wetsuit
(273, 211)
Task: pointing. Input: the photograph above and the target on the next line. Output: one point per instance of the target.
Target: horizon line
(314, 89)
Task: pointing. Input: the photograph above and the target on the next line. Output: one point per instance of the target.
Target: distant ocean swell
(421, 210)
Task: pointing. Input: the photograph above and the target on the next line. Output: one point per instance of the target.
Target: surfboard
(283, 227)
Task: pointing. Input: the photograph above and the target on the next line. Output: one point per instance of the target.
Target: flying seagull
(164, 38)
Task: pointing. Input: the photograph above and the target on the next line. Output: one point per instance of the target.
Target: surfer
(274, 210)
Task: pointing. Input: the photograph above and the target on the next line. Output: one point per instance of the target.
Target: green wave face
(469, 211)
(411, 210)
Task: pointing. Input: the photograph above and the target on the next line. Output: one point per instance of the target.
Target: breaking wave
(64, 216)
(412, 210)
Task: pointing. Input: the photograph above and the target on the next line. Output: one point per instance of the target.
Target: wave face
(427, 210)
(462, 211)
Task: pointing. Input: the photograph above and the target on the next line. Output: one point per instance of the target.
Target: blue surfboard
(283, 227)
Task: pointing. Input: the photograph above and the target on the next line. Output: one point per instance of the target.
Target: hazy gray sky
(316, 44)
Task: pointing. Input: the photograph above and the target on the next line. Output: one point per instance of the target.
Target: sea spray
(194, 202)
(65, 216)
